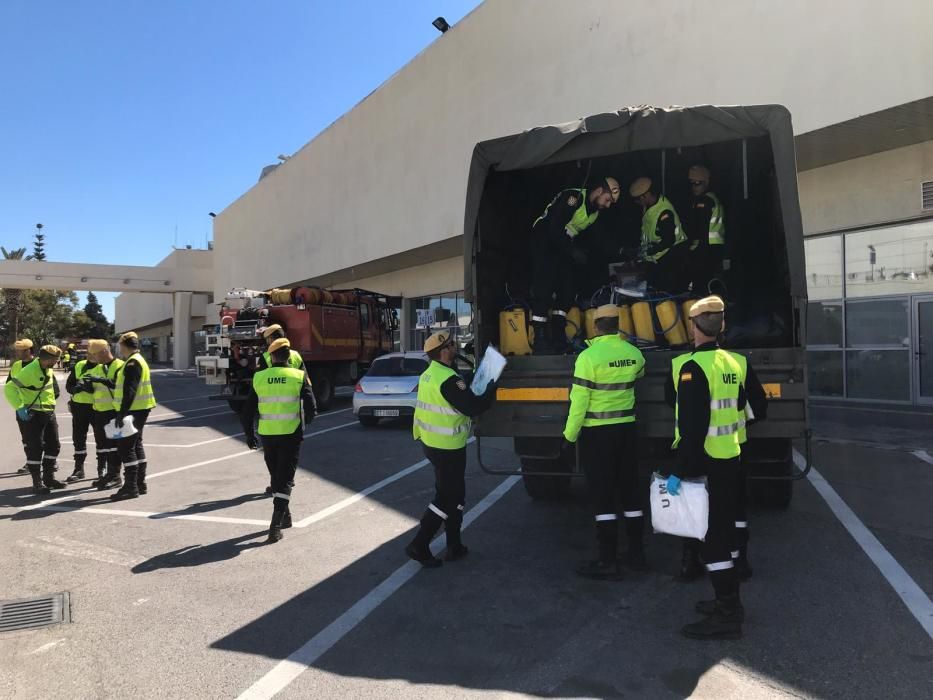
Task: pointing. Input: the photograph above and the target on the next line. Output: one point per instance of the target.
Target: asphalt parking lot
(174, 594)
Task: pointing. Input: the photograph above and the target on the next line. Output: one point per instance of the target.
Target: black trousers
(449, 483)
(130, 449)
(671, 273)
(552, 270)
(106, 448)
(42, 443)
(281, 455)
(22, 435)
(82, 415)
(609, 457)
(740, 540)
(705, 265)
(717, 551)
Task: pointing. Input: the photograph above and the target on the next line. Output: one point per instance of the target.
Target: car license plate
(386, 412)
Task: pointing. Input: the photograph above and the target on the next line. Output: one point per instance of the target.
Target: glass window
(884, 322)
(444, 311)
(824, 373)
(824, 267)
(397, 367)
(878, 374)
(364, 316)
(824, 324)
(892, 260)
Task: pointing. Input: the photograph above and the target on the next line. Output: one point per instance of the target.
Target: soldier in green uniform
(285, 403)
(442, 423)
(602, 418)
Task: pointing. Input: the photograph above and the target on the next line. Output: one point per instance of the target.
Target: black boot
(542, 344)
(141, 479)
(455, 548)
(691, 568)
(635, 556)
(725, 621)
(419, 549)
(606, 567)
(48, 477)
(287, 519)
(130, 489)
(23, 469)
(78, 473)
(111, 478)
(38, 488)
(559, 334)
(708, 607)
(275, 527)
(743, 569)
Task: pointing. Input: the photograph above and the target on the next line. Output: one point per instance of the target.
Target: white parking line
(157, 516)
(164, 423)
(157, 415)
(923, 456)
(286, 671)
(310, 520)
(350, 500)
(910, 593)
(187, 398)
(155, 475)
(90, 441)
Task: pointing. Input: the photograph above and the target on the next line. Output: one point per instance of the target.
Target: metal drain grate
(27, 613)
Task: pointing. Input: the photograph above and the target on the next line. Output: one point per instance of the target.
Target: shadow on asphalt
(198, 555)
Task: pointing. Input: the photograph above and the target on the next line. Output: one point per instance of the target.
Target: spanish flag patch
(686, 377)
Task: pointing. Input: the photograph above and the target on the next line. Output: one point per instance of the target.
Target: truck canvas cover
(641, 129)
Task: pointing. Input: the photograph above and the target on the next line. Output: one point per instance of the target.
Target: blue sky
(124, 121)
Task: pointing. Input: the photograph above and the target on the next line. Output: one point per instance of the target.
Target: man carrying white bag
(709, 427)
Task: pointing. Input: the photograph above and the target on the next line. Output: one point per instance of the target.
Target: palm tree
(13, 298)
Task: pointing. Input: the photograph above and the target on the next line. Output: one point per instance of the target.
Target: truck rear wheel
(322, 383)
(545, 488)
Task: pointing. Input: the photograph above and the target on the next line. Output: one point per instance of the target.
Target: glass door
(923, 349)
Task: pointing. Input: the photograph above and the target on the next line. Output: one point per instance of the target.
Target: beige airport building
(377, 199)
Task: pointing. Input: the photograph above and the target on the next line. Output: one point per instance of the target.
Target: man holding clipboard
(442, 423)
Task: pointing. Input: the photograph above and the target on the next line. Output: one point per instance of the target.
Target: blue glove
(23, 414)
(673, 485)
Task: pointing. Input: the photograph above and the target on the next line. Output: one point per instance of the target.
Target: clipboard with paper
(489, 370)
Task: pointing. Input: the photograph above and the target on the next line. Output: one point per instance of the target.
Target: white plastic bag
(684, 515)
(115, 431)
(489, 370)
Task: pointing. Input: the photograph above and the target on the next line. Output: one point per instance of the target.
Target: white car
(390, 387)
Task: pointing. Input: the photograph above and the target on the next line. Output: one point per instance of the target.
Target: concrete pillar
(181, 330)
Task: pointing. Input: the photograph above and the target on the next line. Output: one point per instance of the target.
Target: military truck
(750, 151)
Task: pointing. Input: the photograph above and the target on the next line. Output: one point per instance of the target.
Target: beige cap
(23, 344)
(640, 186)
(269, 330)
(279, 343)
(129, 335)
(607, 311)
(96, 345)
(51, 351)
(614, 188)
(699, 173)
(707, 305)
(437, 340)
